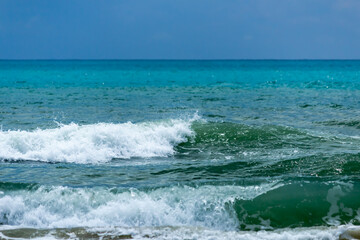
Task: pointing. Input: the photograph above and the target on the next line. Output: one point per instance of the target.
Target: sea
(179, 149)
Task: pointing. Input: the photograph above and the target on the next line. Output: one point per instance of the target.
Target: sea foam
(171, 233)
(95, 143)
(64, 207)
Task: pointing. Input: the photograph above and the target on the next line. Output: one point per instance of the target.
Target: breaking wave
(266, 206)
(94, 143)
(102, 142)
(64, 207)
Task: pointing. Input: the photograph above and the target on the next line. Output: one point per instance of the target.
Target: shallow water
(179, 149)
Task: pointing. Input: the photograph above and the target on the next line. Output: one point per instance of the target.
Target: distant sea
(179, 149)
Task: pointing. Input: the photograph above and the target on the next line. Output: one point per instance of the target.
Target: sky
(179, 29)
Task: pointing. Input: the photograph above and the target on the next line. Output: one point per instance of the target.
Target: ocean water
(179, 149)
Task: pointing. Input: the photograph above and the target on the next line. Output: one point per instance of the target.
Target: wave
(227, 134)
(102, 142)
(266, 206)
(336, 166)
(95, 143)
(345, 123)
(219, 140)
(303, 204)
(64, 207)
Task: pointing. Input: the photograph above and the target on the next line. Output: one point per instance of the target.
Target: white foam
(95, 143)
(63, 207)
(200, 233)
(207, 234)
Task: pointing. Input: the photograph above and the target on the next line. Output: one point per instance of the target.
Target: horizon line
(179, 59)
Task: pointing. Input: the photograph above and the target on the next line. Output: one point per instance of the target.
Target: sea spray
(95, 143)
(54, 207)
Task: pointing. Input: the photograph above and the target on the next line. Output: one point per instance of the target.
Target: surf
(95, 143)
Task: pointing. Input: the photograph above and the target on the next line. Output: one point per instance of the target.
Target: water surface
(179, 149)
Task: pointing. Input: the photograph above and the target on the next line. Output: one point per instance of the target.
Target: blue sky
(179, 29)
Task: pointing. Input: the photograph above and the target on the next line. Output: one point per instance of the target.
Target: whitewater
(94, 143)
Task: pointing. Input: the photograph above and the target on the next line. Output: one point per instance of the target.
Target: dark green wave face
(270, 151)
(179, 149)
(239, 139)
(301, 205)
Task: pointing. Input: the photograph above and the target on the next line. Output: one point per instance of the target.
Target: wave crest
(95, 143)
(53, 207)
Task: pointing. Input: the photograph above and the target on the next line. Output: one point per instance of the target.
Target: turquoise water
(179, 149)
